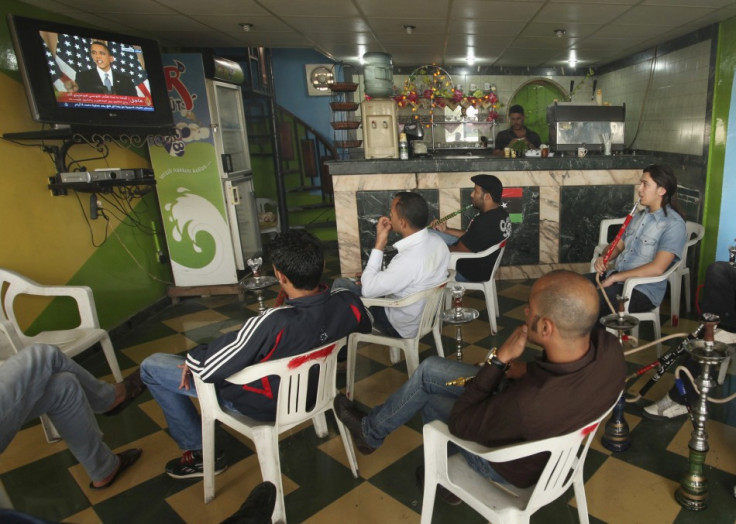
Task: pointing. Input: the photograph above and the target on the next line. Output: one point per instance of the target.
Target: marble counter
(556, 204)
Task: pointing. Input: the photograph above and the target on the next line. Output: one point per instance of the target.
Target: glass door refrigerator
(203, 176)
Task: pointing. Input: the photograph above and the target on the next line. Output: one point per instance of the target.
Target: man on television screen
(103, 78)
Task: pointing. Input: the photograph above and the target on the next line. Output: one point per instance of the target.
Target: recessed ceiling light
(560, 32)
(246, 27)
(409, 29)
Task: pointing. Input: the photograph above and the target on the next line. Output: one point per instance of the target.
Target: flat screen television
(89, 77)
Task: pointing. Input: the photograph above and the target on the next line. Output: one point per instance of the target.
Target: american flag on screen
(73, 54)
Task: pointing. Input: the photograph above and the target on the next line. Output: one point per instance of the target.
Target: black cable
(89, 224)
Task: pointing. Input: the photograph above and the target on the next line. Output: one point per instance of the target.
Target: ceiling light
(246, 27)
(573, 58)
(560, 32)
(409, 29)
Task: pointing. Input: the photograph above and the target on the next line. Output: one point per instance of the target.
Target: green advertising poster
(189, 184)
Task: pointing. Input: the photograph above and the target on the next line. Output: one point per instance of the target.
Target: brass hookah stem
(453, 214)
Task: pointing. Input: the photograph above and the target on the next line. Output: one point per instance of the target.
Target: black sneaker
(190, 465)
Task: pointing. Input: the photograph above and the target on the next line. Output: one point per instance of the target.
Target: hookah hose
(612, 246)
(663, 363)
(453, 214)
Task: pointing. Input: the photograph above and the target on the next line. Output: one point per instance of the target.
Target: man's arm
(478, 407)
(656, 267)
(599, 266)
(234, 351)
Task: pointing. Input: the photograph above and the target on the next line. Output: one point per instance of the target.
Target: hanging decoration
(429, 87)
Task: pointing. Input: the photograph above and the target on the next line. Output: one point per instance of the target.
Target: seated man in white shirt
(421, 263)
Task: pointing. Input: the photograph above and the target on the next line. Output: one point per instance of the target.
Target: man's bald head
(569, 300)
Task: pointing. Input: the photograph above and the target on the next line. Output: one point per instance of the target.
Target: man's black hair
(103, 44)
(299, 255)
(413, 208)
(516, 108)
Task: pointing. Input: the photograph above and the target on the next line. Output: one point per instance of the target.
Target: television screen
(90, 77)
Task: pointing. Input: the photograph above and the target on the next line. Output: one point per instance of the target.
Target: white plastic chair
(263, 205)
(695, 234)
(410, 346)
(506, 503)
(488, 287)
(292, 410)
(70, 341)
(647, 316)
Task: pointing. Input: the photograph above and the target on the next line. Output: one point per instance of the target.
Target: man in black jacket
(312, 316)
(579, 375)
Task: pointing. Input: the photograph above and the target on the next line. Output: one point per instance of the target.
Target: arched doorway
(534, 96)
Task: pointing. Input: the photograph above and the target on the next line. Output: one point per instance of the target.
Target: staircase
(289, 166)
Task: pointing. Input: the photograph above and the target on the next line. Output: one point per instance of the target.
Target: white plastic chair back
(429, 321)
(695, 234)
(647, 316)
(506, 503)
(488, 287)
(70, 341)
(292, 410)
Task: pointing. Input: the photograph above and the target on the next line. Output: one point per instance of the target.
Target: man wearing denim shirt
(654, 240)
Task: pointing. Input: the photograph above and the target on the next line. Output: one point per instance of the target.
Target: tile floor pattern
(632, 486)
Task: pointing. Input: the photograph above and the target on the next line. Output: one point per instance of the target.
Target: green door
(534, 97)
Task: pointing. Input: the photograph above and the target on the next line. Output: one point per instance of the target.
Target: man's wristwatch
(493, 360)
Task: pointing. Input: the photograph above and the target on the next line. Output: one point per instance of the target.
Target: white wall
(675, 92)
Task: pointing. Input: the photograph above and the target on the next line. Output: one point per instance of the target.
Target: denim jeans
(162, 376)
(41, 379)
(425, 391)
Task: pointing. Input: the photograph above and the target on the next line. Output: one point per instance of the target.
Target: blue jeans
(162, 376)
(41, 379)
(447, 238)
(425, 391)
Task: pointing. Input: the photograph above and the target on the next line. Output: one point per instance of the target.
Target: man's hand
(599, 266)
(442, 226)
(610, 280)
(514, 345)
(383, 228)
(184, 384)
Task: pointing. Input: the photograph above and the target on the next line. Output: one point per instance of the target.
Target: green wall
(725, 67)
(49, 239)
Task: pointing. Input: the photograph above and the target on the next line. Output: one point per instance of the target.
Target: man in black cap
(516, 132)
(488, 228)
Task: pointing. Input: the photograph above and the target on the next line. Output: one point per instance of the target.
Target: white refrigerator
(203, 177)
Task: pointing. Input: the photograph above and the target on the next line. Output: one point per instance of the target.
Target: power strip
(98, 175)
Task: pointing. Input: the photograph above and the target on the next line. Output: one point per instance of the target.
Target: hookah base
(693, 491)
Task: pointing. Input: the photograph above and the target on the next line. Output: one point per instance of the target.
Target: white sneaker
(664, 409)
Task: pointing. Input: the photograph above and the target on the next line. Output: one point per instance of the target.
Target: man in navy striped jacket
(312, 316)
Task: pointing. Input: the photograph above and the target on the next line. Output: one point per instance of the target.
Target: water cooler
(380, 126)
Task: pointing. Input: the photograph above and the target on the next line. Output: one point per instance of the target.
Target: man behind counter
(516, 132)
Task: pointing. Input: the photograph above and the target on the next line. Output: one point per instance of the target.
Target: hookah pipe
(664, 362)
(612, 246)
(453, 214)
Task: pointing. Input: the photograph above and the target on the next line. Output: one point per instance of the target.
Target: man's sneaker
(190, 465)
(664, 409)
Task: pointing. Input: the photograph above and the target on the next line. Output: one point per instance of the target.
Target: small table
(458, 317)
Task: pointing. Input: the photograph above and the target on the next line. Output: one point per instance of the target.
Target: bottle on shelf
(403, 147)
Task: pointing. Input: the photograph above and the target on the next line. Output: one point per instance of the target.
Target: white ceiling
(510, 33)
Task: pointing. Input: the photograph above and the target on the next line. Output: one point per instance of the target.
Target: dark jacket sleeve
(232, 352)
(481, 416)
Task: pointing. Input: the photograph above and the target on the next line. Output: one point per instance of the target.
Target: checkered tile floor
(632, 486)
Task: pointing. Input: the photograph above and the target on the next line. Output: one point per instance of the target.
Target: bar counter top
(461, 162)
